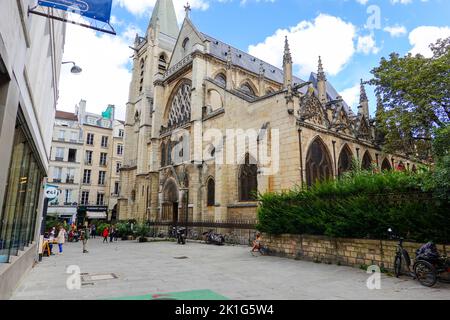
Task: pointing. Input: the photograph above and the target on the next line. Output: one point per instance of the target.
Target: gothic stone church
(185, 80)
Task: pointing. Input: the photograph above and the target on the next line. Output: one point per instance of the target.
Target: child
(257, 243)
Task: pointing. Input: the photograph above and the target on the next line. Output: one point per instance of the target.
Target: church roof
(248, 62)
(164, 14)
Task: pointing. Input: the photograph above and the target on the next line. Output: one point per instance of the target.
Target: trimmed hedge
(360, 205)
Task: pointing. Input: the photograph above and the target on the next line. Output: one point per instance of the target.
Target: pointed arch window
(318, 163)
(162, 63)
(163, 154)
(221, 79)
(386, 165)
(247, 89)
(211, 190)
(180, 106)
(141, 78)
(366, 163)
(248, 179)
(345, 160)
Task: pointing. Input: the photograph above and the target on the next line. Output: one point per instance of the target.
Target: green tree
(414, 93)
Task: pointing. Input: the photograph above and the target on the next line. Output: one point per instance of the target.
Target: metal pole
(41, 234)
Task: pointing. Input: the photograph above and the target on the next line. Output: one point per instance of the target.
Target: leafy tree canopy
(414, 93)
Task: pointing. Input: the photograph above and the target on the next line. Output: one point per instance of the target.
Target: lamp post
(75, 69)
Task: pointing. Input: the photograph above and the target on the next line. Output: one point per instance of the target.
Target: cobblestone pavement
(232, 272)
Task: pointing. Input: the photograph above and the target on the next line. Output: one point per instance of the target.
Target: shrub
(359, 205)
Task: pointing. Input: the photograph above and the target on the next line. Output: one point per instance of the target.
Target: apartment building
(65, 164)
(86, 156)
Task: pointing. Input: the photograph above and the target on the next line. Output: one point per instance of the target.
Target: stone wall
(349, 252)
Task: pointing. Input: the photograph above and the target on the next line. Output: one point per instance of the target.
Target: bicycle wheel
(398, 266)
(426, 273)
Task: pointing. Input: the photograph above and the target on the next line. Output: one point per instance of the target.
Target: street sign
(51, 192)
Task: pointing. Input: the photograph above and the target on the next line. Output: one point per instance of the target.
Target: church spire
(363, 100)
(164, 18)
(320, 73)
(321, 83)
(287, 65)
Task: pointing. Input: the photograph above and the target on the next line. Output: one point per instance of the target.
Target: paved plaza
(207, 271)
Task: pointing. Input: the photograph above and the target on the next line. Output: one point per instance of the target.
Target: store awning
(96, 215)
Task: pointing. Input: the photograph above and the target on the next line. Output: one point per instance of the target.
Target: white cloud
(105, 78)
(421, 38)
(401, 1)
(327, 36)
(367, 45)
(351, 95)
(144, 7)
(363, 2)
(396, 31)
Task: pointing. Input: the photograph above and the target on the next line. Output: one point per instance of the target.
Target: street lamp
(75, 69)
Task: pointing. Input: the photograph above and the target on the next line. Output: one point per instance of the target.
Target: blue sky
(344, 32)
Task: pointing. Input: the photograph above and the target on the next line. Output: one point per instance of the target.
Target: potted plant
(142, 230)
(123, 230)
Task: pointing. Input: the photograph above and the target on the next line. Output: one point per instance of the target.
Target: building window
(72, 155)
(141, 81)
(88, 159)
(87, 176)
(101, 178)
(59, 154)
(119, 149)
(100, 199)
(70, 178)
(248, 179)
(366, 163)
(118, 166)
(185, 45)
(103, 159)
(211, 187)
(104, 142)
(57, 174)
(318, 163)
(345, 161)
(90, 139)
(163, 154)
(74, 137)
(247, 89)
(62, 135)
(85, 197)
(121, 133)
(221, 79)
(68, 197)
(385, 166)
(180, 106)
(116, 188)
(162, 64)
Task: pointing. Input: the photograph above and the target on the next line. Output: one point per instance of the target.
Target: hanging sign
(51, 192)
(95, 9)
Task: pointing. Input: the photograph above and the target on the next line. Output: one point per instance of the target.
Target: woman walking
(105, 235)
(61, 239)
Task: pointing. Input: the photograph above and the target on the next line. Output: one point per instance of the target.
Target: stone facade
(188, 91)
(348, 252)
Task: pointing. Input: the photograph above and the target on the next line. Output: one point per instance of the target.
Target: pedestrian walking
(85, 237)
(93, 231)
(61, 239)
(105, 235)
(111, 234)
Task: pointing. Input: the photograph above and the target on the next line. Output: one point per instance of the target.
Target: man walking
(85, 238)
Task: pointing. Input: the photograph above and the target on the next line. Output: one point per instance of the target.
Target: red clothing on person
(105, 232)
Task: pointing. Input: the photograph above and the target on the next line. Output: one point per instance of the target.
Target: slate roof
(248, 62)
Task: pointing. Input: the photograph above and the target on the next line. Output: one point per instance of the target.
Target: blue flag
(95, 9)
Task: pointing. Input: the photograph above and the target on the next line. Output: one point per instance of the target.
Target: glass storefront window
(19, 213)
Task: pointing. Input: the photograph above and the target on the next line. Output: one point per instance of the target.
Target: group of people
(58, 236)
(110, 232)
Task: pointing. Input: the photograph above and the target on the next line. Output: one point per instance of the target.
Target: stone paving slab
(228, 271)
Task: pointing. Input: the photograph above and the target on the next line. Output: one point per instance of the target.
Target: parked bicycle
(232, 238)
(429, 266)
